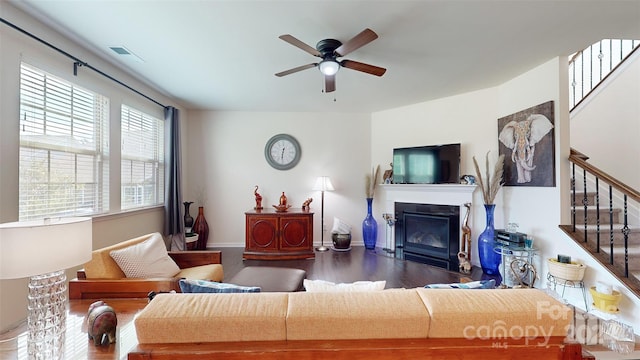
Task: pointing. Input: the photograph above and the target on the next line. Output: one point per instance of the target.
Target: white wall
(225, 160)
(471, 119)
(14, 48)
(606, 127)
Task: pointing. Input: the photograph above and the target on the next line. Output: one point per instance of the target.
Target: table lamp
(323, 183)
(42, 250)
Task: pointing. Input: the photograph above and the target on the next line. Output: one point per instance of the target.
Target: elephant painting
(521, 136)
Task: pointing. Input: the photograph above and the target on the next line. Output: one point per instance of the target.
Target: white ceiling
(223, 54)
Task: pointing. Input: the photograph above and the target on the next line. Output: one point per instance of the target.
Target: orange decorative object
(281, 208)
(305, 204)
(258, 199)
(283, 199)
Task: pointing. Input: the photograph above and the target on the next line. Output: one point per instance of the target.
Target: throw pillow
(481, 284)
(147, 259)
(204, 286)
(327, 286)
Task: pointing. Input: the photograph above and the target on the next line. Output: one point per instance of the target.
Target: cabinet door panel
(294, 233)
(262, 233)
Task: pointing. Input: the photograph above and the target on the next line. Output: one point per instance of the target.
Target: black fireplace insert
(428, 233)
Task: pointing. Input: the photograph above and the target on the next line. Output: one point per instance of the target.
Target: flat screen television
(434, 164)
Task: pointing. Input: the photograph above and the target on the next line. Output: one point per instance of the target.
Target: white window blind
(63, 148)
(142, 169)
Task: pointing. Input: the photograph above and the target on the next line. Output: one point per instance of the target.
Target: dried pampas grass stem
(371, 181)
(493, 181)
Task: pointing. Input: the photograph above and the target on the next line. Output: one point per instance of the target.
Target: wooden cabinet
(275, 235)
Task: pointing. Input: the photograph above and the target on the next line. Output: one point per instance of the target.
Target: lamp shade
(30, 248)
(323, 183)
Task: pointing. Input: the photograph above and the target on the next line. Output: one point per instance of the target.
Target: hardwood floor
(357, 264)
(354, 265)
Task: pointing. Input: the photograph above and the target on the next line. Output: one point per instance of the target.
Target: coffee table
(13, 344)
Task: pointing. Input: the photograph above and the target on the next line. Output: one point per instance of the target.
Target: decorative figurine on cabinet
(305, 204)
(283, 205)
(258, 199)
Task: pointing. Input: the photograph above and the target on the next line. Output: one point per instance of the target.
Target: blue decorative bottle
(369, 228)
(489, 258)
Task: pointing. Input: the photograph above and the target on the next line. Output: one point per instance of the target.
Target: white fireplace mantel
(440, 194)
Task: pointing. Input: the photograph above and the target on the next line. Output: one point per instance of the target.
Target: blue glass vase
(489, 258)
(369, 228)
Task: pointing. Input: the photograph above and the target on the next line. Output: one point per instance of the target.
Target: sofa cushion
(147, 259)
(328, 286)
(356, 315)
(203, 286)
(102, 265)
(211, 272)
(194, 318)
(494, 314)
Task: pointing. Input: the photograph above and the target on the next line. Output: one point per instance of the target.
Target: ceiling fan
(329, 50)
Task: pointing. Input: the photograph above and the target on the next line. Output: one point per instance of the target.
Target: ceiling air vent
(124, 52)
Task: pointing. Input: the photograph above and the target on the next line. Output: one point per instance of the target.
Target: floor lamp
(42, 250)
(323, 183)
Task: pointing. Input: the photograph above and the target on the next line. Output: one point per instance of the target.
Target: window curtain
(173, 218)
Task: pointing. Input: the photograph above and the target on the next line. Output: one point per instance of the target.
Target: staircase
(605, 212)
(605, 220)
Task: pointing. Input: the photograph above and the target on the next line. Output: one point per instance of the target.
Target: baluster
(621, 49)
(610, 225)
(597, 199)
(573, 85)
(582, 76)
(610, 52)
(585, 201)
(600, 57)
(573, 196)
(625, 232)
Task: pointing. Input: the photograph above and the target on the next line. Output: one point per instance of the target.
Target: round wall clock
(282, 152)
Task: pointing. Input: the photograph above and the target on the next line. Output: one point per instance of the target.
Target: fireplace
(428, 233)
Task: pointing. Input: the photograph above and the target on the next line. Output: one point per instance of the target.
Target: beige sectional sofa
(388, 324)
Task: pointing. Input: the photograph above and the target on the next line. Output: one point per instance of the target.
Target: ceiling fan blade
(299, 44)
(329, 83)
(369, 69)
(358, 41)
(296, 69)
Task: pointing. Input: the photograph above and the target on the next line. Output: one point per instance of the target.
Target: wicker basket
(573, 271)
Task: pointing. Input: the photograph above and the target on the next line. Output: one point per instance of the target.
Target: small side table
(517, 252)
(579, 284)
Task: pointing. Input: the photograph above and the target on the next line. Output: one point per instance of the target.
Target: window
(142, 169)
(63, 148)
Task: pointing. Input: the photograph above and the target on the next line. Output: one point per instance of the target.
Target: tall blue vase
(369, 228)
(489, 258)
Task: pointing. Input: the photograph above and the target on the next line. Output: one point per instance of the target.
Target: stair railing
(591, 178)
(589, 67)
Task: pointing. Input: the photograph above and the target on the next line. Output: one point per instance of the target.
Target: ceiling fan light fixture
(329, 67)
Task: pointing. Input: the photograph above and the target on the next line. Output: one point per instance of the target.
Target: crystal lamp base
(46, 321)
